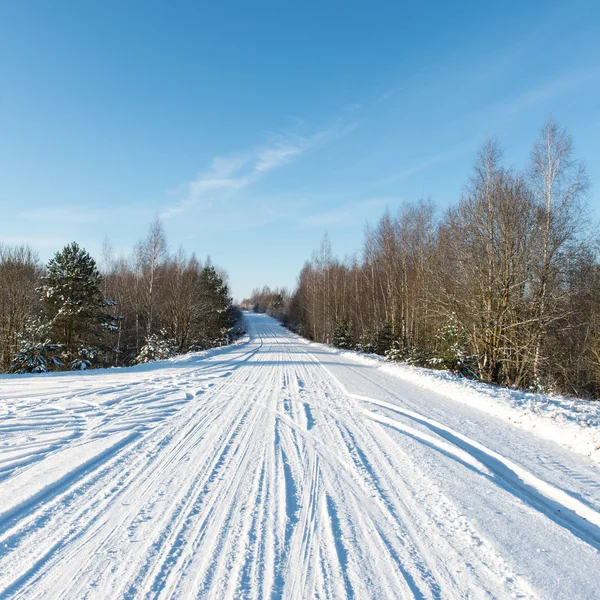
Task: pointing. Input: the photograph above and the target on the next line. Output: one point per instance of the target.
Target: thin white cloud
(230, 174)
(280, 153)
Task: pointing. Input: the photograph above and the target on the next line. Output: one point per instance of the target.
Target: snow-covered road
(278, 469)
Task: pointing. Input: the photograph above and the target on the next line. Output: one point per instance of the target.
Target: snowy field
(280, 469)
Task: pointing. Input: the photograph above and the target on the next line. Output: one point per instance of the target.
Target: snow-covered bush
(378, 342)
(156, 347)
(237, 332)
(419, 357)
(37, 352)
(84, 357)
(452, 348)
(396, 353)
(450, 354)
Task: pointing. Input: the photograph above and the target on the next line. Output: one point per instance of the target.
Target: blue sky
(254, 127)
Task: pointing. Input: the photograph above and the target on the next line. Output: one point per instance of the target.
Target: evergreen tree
(397, 352)
(276, 304)
(421, 357)
(342, 335)
(37, 353)
(157, 347)
(383, 339)
(452, 349)
(218, 314)
(83, 357)
(76, 307)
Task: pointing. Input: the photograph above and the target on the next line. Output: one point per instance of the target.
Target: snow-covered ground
(571, 422)
(280, 469)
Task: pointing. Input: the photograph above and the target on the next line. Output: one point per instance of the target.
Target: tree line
(503, 286)
(265, 300)
(74, 313)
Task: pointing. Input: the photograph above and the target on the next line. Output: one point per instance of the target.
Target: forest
(503, 286)
(74, 314)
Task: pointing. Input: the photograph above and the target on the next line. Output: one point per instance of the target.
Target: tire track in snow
(163, 442)
(255, 476)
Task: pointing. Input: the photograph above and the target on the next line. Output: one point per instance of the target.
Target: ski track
(260, 472)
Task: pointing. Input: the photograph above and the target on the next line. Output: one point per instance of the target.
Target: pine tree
(342, 335)
(76, 306)
(276, 305)
(157, 347)
(37, 353)
(452, 349)
(383, 339)
(218, 313)
(397, 352)
(83, 358)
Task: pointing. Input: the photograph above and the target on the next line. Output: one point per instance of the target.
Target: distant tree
(276, 304)
(267, 300)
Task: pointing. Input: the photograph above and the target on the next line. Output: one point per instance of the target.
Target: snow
(283, 469)
(573, 423)
(30, 485)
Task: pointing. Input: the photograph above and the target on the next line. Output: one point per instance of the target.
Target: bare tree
(20, 273)
(151, 253)
(559, 184)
